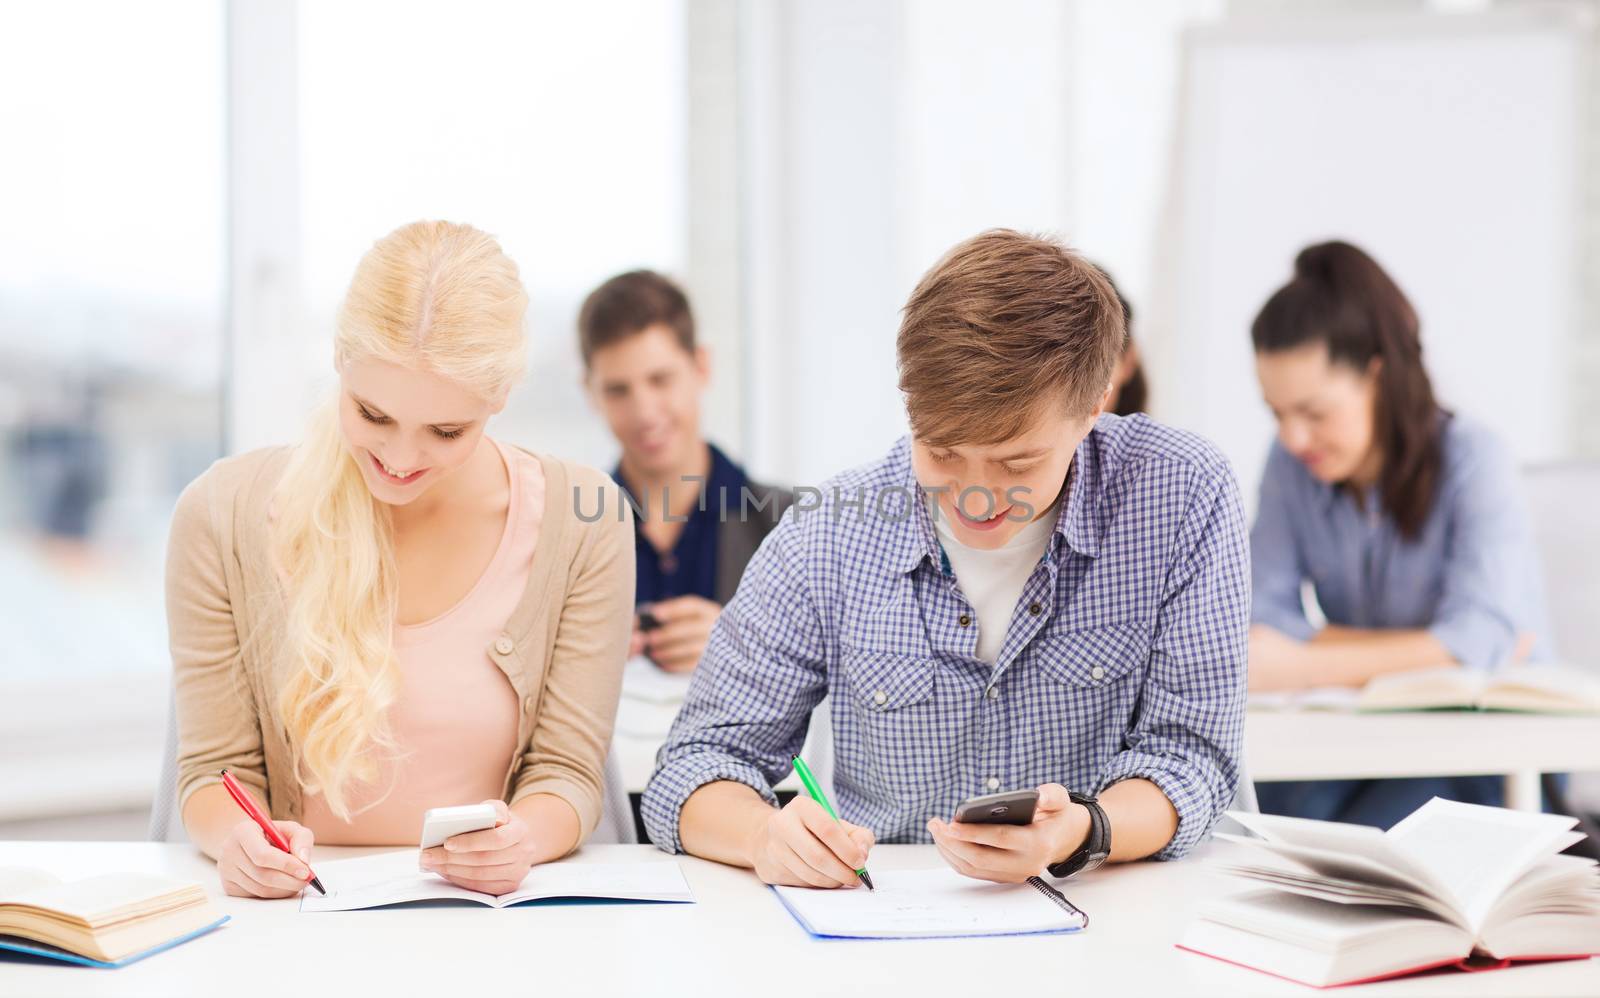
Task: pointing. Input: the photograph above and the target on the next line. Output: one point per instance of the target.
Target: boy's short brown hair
(629, 304)
(1004, 325)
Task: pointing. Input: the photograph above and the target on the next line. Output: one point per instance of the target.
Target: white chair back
(1563, 500)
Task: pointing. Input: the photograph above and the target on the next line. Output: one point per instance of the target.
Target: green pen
(815, 790)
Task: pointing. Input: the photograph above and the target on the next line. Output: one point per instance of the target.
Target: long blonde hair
(430, 295)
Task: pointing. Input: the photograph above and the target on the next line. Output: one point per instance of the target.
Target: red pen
(245, 801)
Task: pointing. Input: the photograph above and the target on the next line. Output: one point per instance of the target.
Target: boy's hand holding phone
(988, 846)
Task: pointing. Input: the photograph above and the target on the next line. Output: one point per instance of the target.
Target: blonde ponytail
(430, 295)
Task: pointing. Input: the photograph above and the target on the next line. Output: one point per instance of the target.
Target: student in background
(1405, 519)
(401, 612)
(700, 516)
(1130, 390)
(1018, 595)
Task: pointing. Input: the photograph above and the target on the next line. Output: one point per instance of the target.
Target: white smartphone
(440, 823)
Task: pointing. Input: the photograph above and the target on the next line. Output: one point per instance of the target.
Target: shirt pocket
(1086, 689)
(905, 749)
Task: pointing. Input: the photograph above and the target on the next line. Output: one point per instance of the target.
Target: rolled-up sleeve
(1188, 732)
(1488, 543)
(750, 702)
(1276, 568)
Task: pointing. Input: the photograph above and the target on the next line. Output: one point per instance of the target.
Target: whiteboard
(1447, 146)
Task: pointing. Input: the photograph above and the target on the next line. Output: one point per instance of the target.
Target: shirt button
(994, 693)
(964, 619)
(504, 645)
(1034, 609)
(880, 698)
(1097, 673)
(992, 783)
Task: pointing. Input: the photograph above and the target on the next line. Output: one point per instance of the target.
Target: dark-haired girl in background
(1130, 391)
(1405, 519)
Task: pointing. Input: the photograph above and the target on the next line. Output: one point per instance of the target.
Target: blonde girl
(401, 612)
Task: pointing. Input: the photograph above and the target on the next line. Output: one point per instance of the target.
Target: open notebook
(911, 904)
(1541, 689)
(1549, 689)
(105, 921)
(393, 878)
(1452, 883)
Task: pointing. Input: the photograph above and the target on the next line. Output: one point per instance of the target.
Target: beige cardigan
(563, 648)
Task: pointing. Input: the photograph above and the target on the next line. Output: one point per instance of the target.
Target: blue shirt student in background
(1122, 668)
(698, 519)
(1406, 520)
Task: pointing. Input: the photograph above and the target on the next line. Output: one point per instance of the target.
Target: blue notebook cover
(31, 948)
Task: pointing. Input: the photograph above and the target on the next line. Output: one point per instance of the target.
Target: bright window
(112, 269)
(559, 128)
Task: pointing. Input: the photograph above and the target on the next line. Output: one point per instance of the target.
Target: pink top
(455, 721)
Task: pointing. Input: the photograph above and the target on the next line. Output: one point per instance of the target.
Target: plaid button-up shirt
(1125, 655)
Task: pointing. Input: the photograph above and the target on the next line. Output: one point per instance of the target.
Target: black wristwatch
(1096, 845)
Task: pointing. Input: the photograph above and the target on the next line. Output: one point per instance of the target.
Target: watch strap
(1096, 845)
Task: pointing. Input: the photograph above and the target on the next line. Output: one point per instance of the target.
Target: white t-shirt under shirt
(992, 581)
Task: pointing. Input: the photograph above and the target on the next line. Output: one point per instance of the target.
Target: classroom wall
(1449, 148)
(1062, 118)
(878, 135)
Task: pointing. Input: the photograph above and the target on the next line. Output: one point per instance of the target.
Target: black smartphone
(648, 621)
(1009, 807)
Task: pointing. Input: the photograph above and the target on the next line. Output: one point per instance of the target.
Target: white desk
(737, 939)
(1328, 745)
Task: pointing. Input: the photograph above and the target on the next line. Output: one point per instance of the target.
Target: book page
(380, 879)
(1333, 866)
(16, 879)
(1273, 700)
(393, 878)
(1282, 870)
(1553, 688)
(1334, 698)
(1478, 851)
(109, 897)
(1367, 845)
(1445, 686)
(1559, 884)
(911, 903)
(1303, 920)
(653, 881)
(643, 680)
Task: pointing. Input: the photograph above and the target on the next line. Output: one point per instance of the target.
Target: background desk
(1338, 745)
(737, 940)
(1327, 745)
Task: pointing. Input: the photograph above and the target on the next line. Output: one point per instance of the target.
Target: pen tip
(318, 885)
(866, 879)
